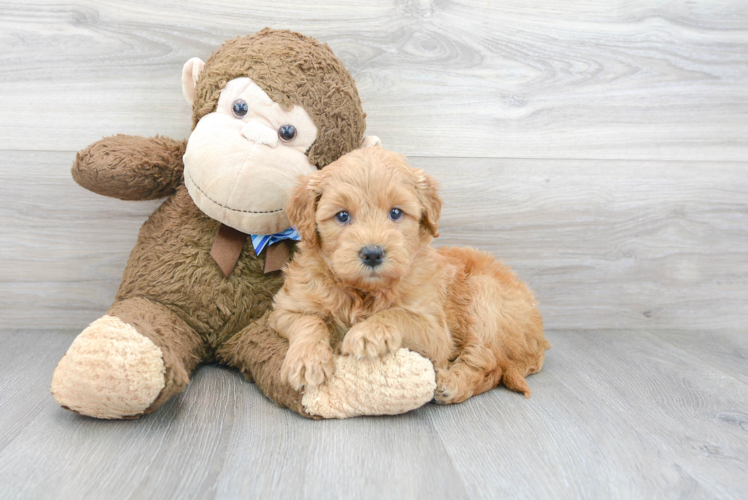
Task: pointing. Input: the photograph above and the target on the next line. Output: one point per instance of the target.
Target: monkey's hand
(131, 167)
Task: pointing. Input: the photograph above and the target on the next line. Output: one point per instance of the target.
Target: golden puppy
(365, 274)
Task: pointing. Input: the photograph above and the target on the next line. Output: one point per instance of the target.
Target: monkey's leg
(392, 384)
(128, 362)
(258, 352)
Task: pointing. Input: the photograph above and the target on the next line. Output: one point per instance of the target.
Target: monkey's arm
(131, 167)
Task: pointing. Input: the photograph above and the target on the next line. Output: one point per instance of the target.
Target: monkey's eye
(287, 133)
(396, 214)
(342, 217)
(240, 108)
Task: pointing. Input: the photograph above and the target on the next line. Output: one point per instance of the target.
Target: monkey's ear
(190, 72)
(371, 140)
(301, 209)
(428, 194)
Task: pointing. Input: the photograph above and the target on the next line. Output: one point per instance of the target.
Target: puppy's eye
(342, 217)
(240, 108)
(396, 214)
(287, 133)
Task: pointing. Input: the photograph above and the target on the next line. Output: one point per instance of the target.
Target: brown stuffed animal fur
(176, 306)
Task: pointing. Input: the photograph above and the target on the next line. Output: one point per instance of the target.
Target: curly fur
(461, 308)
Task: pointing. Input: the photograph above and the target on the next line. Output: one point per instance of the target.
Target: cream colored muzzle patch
(237, 169)
(261, 134)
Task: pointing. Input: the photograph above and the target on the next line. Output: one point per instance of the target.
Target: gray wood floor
(615, 414)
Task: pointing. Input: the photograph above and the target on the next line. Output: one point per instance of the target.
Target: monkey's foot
(110, 371)
(392, 384)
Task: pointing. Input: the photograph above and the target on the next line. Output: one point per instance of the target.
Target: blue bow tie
(260, 241)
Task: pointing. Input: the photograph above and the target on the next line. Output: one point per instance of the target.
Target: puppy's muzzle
(371, 255)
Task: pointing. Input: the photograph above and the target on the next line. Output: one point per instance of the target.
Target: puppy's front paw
(370, 339)
(307, 364)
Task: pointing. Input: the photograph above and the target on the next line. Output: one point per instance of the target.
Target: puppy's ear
(301, 209)
(427, 189)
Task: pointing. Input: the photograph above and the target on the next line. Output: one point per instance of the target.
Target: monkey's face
(244, 158)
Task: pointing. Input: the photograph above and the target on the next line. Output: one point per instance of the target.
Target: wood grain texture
(368, 458)
(614, 414)
(609, 244)
(603, 244)
(599, 148)
(25, 375)
(725, 351)
(589, 79)
(606, 244)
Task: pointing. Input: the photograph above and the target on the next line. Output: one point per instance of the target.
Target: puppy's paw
(370, 339)
(307, 364)
(449, 389)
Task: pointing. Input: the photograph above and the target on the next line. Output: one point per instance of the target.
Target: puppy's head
(367, 215)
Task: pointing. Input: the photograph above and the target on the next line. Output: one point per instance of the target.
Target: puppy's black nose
(371, 255)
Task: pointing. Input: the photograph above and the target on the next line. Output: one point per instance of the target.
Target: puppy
(366, 281)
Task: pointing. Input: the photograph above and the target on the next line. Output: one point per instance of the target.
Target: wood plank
(219, 439)
(363, 458)
(604, 244)
(26, 364)
(724, 350)
(609, 244)
(173, 454)
(614, 414)
(590, 79)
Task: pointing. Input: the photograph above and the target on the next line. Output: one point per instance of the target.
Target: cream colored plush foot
(392, 384)
(110, 371)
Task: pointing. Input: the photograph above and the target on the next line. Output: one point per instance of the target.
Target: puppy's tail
(515, 381)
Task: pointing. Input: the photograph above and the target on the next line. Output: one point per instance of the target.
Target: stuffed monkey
(198, 285)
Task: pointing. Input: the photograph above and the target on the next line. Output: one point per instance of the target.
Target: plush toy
(201, 278)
